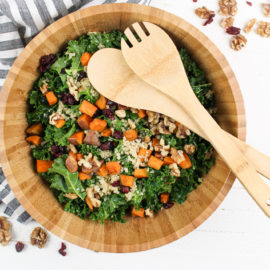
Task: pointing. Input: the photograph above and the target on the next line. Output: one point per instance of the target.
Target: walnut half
(5, 228)
(39, 237)
(250, 25)
(227, 7)
(238, 42)
(263, 29)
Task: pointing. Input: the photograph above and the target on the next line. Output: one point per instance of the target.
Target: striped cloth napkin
(20, 21)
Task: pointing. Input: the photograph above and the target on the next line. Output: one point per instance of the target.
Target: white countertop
(237, 235)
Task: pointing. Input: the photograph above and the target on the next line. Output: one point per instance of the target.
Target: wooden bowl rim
(118, 8)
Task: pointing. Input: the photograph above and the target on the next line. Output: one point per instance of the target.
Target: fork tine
(139, 30)
(131, 36)
(124, 44)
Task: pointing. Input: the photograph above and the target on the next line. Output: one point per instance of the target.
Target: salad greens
(109, 198)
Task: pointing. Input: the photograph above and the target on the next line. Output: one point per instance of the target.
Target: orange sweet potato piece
(60, 123)
(106, 132)
(85, 57)
(101, 102)
(79, 156)
(103, 171)
(51, 98)
(155, 141)
(87, 108)
(98, 124)
(71, 164)
(114, 167)
(127, 180)
(72, 154)
(76, 138)
(43, 165)
(141, 114)
(89, 203)
(138, 213)
(185, 164)
(131, 134)
(168, 161)
(140, 173)
(84, 176)
(155, 163)
(84, 121)
(144, 153)
(164, 197)
(35, 129)
(36, 140)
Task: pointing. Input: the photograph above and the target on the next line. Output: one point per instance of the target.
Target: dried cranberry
(118, 135)
(57, 151)
(107, 146)
(97, 113)
(63, 70)
(109, 113)
(46, 61)
(19, 246)
(62, 250)
(233, 30)
(68, 99)
(195, 1)
(125, 189)
(112, 104)
(168, 205)
(115, 184)
(249, 3)
(82, 75)
(209, 20)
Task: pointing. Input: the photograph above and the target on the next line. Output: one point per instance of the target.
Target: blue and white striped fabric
(20, 21)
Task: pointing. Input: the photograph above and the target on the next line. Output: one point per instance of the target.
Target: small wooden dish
(137, 234)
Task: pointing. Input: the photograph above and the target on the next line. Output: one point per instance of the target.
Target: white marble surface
(237, 235)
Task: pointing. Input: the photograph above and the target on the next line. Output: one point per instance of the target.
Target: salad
(103, 160)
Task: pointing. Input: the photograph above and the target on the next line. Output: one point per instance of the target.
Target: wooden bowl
(35, 196)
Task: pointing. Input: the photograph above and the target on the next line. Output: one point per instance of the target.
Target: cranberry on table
(168, 205)
(68, 99)
(125, 189)
(19, 246)
(62, 250)
(118, 134)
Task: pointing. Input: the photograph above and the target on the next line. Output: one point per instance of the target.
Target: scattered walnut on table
(39, 237)
(263, 29)
(227, 7)
(227, 22)
(5, 230)
(204, 12)
(238, 42)
(249, 25)
(266, 9)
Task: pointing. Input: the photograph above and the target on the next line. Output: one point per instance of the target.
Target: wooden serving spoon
(156, 60)
(110, 75)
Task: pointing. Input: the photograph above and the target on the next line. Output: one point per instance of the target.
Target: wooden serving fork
(156, 60)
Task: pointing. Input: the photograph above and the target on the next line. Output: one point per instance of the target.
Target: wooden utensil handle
(260, 161)
(230, 153)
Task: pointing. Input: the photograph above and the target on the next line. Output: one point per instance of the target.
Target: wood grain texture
(110, 74)
(33, 193)
(156, 60)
